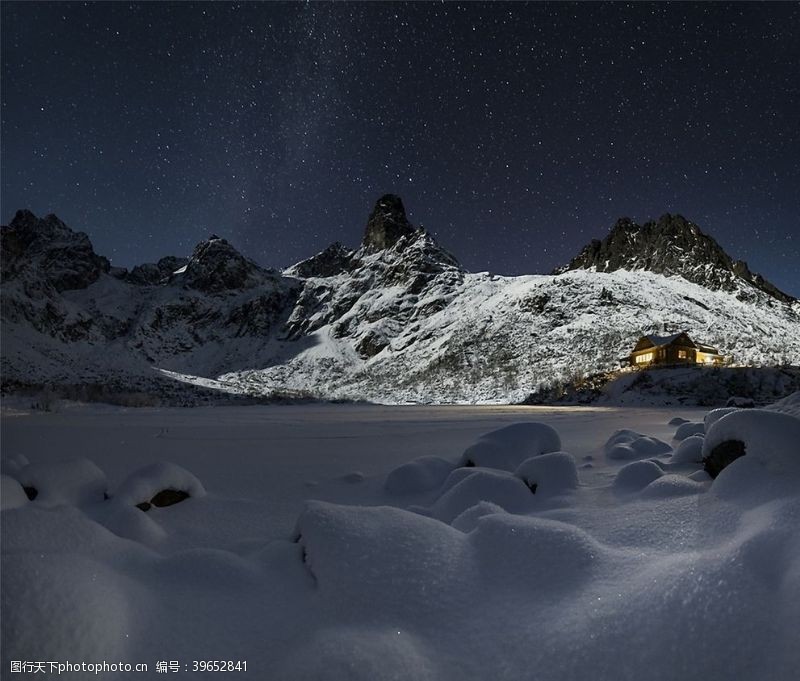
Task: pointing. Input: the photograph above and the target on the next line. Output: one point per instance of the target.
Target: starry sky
(513, 132)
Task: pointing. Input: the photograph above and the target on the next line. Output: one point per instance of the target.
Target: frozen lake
(353, 542)
(277, 456)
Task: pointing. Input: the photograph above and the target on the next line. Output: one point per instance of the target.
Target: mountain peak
(215, 266)
(387, 224)
(63, 257)
(671, 245)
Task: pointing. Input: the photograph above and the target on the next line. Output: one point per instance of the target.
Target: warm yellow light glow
(646, 357)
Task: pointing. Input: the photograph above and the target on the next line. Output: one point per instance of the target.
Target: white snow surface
(623, 571)
(464, 338)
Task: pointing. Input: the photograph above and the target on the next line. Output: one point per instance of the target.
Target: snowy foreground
(581, 543)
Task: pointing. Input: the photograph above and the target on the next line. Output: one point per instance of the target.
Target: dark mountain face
(387, 224)
(46, 249)
(153, 274)
(671, 245)
(216, 266)
(335, 259)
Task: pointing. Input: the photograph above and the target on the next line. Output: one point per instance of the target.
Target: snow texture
(142, 485)
(677, 577)
(689, 429)
(689, 450)
(628, 444)
(508, 447)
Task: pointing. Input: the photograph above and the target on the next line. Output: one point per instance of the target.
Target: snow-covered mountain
(395, 320)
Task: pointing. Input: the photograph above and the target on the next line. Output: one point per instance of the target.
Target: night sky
(514, 132)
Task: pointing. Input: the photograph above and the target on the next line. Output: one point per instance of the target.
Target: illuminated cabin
(675, 349)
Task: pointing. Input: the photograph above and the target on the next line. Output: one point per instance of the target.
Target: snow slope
(397, 320)
(572, 565)
(496, 339)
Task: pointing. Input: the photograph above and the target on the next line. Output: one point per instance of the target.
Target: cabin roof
(710, 349)
(661, 341)
(654, 341)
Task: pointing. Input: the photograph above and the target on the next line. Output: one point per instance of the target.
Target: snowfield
(366, 542)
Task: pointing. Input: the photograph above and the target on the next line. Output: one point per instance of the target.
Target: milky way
(513, 132)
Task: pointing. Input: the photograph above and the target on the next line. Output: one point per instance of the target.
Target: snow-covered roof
(707, 348)
(659, 341)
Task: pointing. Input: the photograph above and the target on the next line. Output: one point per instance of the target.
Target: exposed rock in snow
(77, 482)
(47, 251)
(396, 320)
(334, 260)
(672, 245)
(150, 486)
(768, 439)
(153, 274)
(216, 266)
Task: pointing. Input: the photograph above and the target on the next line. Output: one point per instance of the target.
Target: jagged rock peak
(387, 224)
(335, 259)
(62, 257)
(152, 274)
(671, 245)
(215, 266)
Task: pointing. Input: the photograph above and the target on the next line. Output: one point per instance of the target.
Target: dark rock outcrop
(153, 274)
(387, 224)
(335, 259)
(671, 245)
(216, 266)
(722, 455)
(45, 248)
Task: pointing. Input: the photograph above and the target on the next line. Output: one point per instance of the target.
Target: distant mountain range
(397, 319)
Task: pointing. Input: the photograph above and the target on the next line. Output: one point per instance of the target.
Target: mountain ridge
(395, 319)
(670, 245)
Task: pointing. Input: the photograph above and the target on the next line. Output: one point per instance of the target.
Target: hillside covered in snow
(395, 320)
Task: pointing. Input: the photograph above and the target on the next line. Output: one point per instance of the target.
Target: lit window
(682, 354)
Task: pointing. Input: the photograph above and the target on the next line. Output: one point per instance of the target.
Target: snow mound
(770, 439)
(498, 487)
(455, 477)
(11, 493)
(689, 451)
(142, 485)
(81, 607)
(788, 405)
(506, 448)
(677, 421)
(76, 482)
(374, 557)
(688, 429)
(715, 415)
(549, 474)
(468, 520)
(533, 553)
(130, 523)
(672, 486)
(14, 463)
(420, 475)
(636, 475)
(628, 444)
